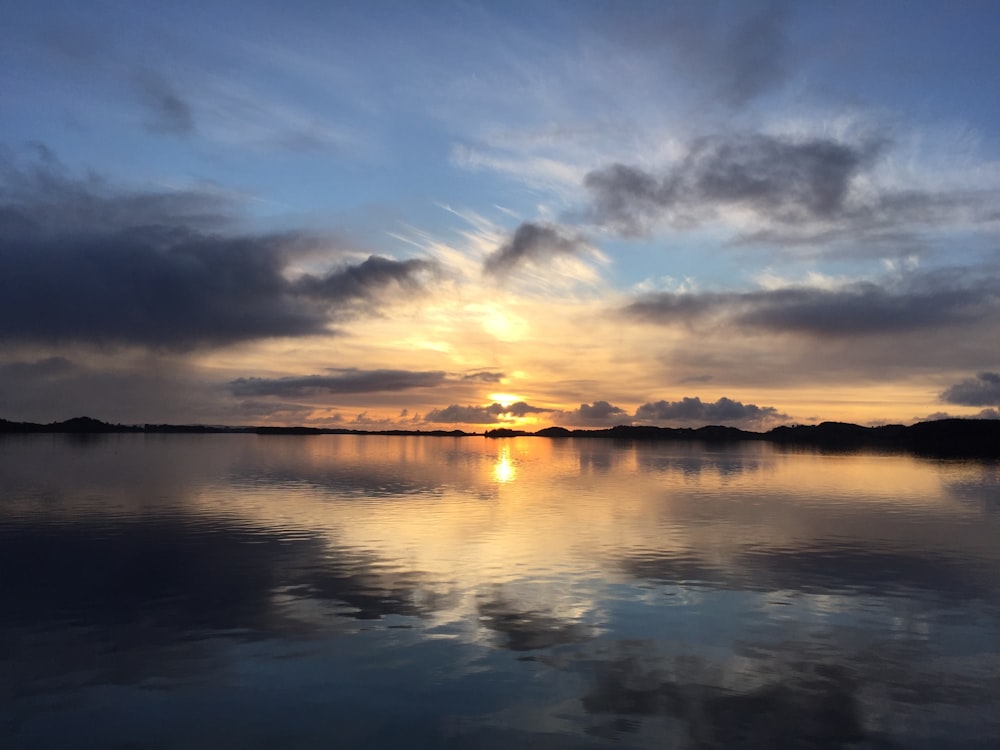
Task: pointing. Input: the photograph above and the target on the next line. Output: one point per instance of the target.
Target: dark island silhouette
(943, 437)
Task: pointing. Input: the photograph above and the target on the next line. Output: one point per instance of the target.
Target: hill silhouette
(943, 437)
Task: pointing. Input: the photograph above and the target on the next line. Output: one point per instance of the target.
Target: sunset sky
(472, 214)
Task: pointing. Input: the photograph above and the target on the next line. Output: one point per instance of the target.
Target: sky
(465, 215)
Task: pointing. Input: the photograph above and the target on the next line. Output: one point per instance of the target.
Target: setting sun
(505, 399)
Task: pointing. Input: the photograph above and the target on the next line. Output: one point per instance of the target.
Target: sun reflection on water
(503, 469)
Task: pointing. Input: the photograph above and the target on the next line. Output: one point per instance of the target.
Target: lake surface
(245, 591)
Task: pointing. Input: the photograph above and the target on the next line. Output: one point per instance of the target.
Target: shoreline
(973, 438)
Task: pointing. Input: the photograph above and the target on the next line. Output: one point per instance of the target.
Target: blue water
(244, 591)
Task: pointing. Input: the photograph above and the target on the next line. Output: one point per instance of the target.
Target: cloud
(520, 409)
(529, 629)
(781, 179)
(168, 112)
(983, 390)
(80, 262)
(485, 377)
(892, 219)
(39, 198)
(696, 379)
(982, 414)
(754, 55)
(49, 368)
(918, 301)
(490, 414)
(598, 414)
(532, 242)
(724, 411)
(458, 414)
(345, 380)
(117, 387)
(360, 281)
(731, 57)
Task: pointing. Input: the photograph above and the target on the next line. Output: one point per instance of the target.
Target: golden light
(503, 325)
(505, 399)
(503, 469)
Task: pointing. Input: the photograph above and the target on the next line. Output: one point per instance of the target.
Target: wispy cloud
(916, 302)
(168, 112)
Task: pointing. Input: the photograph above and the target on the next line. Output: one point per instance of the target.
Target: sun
(505, 399)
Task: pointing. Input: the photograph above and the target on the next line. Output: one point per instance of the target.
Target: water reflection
(503, 469)
(447, 591)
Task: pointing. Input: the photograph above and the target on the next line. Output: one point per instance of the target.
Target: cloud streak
(918, 302)
(169, 113)
(345, 380)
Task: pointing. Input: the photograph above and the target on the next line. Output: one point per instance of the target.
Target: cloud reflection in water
(613, 593)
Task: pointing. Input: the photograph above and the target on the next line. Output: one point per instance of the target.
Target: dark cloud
(485, 377)
(724, 411)
(347, 380)
(530, 243)
(917, 302)
(131, 388)
(983, 390)
(886, 223)
(600, 413)
(357, 282)
(781, 179)
(675, 307)
(731, 58)
(458, 414)
(122, 597)
(520, 409)
(49, 368)
(528, 629)
(80, 262)
(251, 411)
(754, 55)
(40, 198)
(825, 566)
(168, 112)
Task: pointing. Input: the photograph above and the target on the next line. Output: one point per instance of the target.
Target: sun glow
(505, 399)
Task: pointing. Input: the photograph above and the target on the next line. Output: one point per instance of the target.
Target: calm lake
(245, 591)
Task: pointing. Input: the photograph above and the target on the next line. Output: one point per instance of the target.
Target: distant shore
(944, 437)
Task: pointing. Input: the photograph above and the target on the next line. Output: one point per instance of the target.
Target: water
(243, 591)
